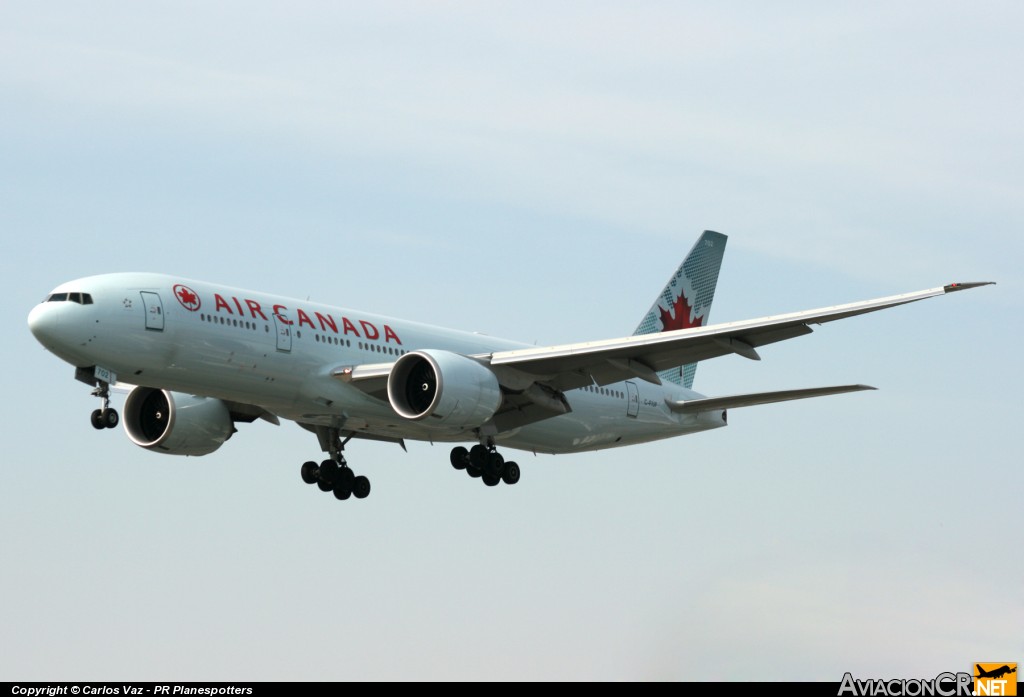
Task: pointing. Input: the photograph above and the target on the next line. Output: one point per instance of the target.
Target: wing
(533, 379)
(576, 365)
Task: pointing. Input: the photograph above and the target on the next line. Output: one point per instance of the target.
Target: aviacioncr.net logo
(995, 679)
(942, 685)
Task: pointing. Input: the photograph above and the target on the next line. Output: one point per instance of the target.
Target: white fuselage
(280, 353)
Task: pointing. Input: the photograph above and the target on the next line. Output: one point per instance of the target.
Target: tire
(324, 486)
(110, 418)
(97, 420)
(341, 491)
(478, 456)
(310, 472)
(459, 457)
(491, 480)
(345, 476)
(473, 472)
(328, 471)
(495, 465)
(361, 487)
(511, 474)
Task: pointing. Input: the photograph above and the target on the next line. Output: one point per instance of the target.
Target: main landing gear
(334, 474)
(486, 463)
(105, 417)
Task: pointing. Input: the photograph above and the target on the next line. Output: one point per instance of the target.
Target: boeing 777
(197, 358)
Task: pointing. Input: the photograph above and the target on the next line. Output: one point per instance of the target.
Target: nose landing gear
(105, 417)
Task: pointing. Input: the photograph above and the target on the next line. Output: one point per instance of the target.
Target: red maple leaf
(678, 315)
(187, 297)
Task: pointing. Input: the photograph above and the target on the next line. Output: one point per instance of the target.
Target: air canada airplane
(197, 358)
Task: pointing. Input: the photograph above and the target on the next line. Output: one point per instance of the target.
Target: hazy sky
(535, 171)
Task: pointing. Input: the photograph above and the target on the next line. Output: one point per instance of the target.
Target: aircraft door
(154, 310)
(283, 329)
(633, 400)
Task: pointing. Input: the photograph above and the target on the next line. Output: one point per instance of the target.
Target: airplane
(995, 673)
(198, 358)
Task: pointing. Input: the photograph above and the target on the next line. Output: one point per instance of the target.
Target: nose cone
(61, 327)
(44, 323)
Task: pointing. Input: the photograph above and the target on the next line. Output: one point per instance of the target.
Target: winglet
(953, 287)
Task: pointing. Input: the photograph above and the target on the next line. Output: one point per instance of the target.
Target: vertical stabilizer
(686, 299)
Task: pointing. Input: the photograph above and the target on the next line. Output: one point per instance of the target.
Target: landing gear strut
(105, 417)
(485, 462)
(334, 474)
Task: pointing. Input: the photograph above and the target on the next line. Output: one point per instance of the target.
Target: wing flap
(751, 399)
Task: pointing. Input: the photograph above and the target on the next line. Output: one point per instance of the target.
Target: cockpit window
(80, 298)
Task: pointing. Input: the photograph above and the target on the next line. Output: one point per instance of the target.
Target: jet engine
(443, 388)
(176, 423)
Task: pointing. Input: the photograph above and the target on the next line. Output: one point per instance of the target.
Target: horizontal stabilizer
(692, 406)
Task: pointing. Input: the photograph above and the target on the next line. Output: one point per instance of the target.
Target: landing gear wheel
(345, 476)
(110, 418)
(361, 487)
(334, 474)
(97, 420)
(459, 457)
(495, 465)
(310, 472)
(473, 472)
(511, 474)
(491, 480)
(478, 456)
(328, 471)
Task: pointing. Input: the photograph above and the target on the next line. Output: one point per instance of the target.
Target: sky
(534, 171)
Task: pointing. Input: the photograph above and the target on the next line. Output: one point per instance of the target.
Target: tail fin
(686, 299)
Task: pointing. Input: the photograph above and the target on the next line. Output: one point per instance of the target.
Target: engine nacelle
(444, 388)
(175, 423)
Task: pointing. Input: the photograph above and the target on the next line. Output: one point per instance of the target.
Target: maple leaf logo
(188, 298)
(678, 315)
